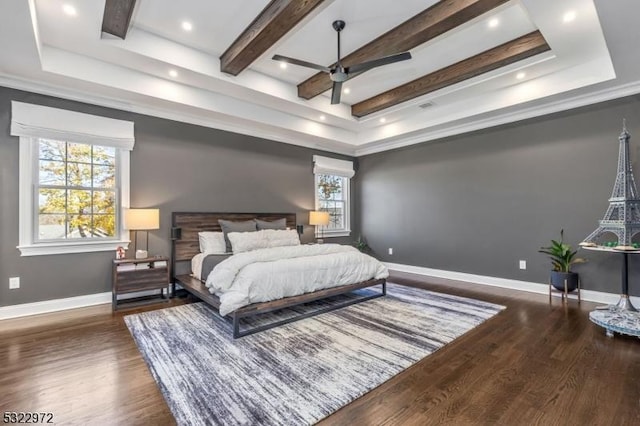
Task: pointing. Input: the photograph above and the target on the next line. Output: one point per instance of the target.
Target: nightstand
(136, 275)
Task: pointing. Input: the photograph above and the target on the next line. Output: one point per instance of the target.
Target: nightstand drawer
(142, 279)
(135, 275)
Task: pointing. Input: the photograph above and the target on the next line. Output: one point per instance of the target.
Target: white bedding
(196, 264)
(273, 273)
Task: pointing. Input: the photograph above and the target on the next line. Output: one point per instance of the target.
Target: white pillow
(212, 242)
(247, 241)
(281, 237)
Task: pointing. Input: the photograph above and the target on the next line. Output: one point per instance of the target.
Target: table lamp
(321, 219)
(141, 220)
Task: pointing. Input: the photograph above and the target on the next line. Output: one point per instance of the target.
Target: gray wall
(476, 203)
(479, 203)
(174, 167)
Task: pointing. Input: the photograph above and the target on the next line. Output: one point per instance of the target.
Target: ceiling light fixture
(322, 118)
(173, 73)
(494, 23)
(521, 75)
(383, 120)
(346, 91)
(187, 26)
(283, 65)
(69, 10)
(570, 16)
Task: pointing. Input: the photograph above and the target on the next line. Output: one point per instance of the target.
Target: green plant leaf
(562, 255)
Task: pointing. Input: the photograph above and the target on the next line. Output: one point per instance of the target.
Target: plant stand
(564, 294)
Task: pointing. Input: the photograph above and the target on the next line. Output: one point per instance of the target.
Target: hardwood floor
(531, 364)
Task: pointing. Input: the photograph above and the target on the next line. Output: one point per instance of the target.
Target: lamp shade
(319, 218)
(141, 219)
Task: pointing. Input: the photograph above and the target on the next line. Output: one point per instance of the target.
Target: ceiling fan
(340, 74)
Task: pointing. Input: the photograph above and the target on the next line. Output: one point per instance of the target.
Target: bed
(185, 246)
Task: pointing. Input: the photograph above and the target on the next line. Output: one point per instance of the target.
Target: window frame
(346, 194)
(29, 245)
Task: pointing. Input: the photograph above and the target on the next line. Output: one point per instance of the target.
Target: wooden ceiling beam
(427, 25)
(505, 54)
(275, 20)
(117, 17)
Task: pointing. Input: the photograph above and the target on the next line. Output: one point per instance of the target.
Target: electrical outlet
(14, 283)
(523, 264)
(390, 250)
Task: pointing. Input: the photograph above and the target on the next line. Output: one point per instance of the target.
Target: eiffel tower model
(623, 215)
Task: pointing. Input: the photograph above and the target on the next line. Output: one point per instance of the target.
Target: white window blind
(37, 121)
(332, 166)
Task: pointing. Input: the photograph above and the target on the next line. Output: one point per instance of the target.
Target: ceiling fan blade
(301, 63)
(336, 91)
(378, 62)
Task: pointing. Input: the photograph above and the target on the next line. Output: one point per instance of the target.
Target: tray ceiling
(169, 63)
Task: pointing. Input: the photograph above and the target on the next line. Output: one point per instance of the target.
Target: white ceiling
(44, 50)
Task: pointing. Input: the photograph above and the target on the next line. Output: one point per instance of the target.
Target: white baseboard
(55, 305)
(589, 295)
(46, 306)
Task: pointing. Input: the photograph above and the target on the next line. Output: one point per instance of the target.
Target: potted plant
(562, 257)
(361, 244)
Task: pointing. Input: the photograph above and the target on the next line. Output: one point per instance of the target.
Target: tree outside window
(331, 198)
(76, 190)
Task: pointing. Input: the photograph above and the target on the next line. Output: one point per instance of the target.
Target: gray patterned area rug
(301, 372)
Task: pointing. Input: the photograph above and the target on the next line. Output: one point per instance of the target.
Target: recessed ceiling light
(69, 10)
(322, 118)
(521, 75)
(383, 120)
(570, 16)
(173, 73)
(283, 65)
(346, 91)
(187, 26)
(494, 23)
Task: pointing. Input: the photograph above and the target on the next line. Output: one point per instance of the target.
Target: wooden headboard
(188, 224)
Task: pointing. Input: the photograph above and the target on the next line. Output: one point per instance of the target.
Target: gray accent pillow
(231, 226)
(280, 224)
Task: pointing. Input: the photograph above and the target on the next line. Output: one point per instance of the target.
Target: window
(74, 180)
(333, 185)
(76, 191)
(333, 193)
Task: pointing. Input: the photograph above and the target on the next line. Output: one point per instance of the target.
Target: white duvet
(273, 273)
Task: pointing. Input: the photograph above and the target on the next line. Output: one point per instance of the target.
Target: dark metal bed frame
(185, 245)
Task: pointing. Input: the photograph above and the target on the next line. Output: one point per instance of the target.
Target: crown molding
(572, 102)
(569, 103)
(138, 108)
